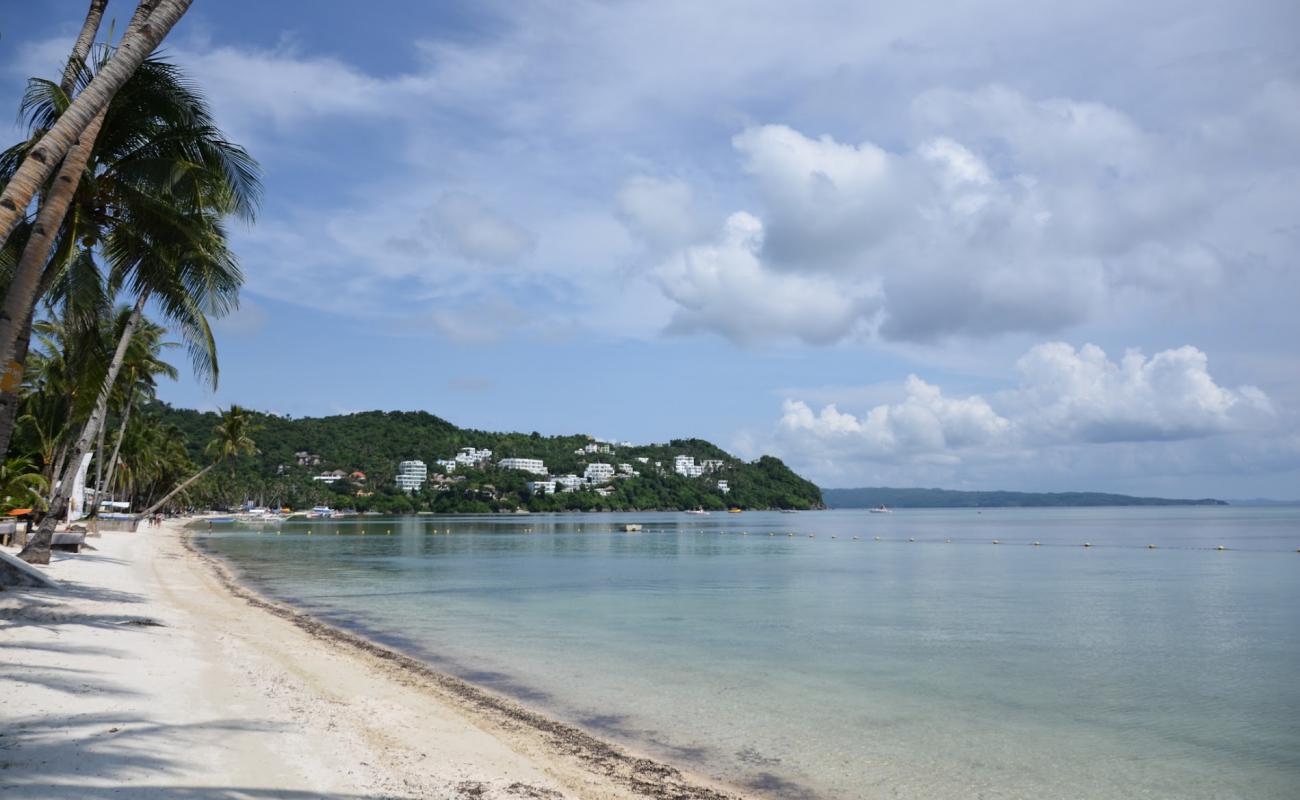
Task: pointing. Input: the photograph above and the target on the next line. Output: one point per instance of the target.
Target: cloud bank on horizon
(975, 190)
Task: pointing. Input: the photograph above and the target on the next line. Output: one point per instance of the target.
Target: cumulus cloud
(924, 425)
(725, 286)
(1082, 395)
(1065, 398)
(1007, 214)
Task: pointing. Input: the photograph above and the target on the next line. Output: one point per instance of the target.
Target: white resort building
(598, 473)
(542, 487)
(685, 465)
(533, 465)
(468, 456)
(568, 482)
(411, 475)
(724, 487)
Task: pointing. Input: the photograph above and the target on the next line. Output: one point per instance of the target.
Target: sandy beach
(151, 673)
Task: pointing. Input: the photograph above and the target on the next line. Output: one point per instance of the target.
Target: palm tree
(158, 162)
(163, 236)
(152, 21)
(21, 486)
(137, 384)
(231, 439)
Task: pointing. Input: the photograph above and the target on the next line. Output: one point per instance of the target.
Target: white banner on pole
(77, 502)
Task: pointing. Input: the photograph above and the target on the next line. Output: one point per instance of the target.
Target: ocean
(782, 654)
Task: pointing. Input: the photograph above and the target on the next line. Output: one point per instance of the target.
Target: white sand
(227, 698)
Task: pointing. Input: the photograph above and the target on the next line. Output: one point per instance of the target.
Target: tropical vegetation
(113, 219)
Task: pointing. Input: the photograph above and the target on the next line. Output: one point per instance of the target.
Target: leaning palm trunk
(81, 48)
(23, 292)
(152, 22)
(180, 488)
(99, 454)
(117, 448)
(37, 550)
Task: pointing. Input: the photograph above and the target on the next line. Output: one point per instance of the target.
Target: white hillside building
(533, 465)
(541, 487)
(598, 473)
(568, 482)
(411, 475)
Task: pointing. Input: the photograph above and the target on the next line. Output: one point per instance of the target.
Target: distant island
(398, 462)
(871, 497)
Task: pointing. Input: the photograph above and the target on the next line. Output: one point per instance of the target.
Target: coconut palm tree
(152, 21)
(231, 438)
(137, 384)
(158, 159)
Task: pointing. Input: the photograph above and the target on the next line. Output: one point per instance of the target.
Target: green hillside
(946, 498)
(373, 443)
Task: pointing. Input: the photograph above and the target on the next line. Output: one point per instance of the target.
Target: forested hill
(373, 443)
(947, 498)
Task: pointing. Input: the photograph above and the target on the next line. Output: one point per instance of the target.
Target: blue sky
(968, 244)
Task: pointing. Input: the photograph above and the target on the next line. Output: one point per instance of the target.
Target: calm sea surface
(824, 666)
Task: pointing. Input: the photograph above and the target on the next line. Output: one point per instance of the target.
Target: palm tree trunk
(37, 550)
(155, 19)
(117, 447)
(22, 294)
(81, 49)
(10, 400)
(99, 454)
(60, 458)
(180, 488)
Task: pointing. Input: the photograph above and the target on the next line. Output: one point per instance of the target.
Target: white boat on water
(699, 512)
(881, 509)
(321, 512)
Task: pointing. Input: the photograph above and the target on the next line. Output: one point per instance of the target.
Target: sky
(1022, 245)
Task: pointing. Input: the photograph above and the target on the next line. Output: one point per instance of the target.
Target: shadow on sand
(52, 758)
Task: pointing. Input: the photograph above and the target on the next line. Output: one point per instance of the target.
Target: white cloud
(1069, 405)
(924, 425)
(1069, 395)
(1008, 215)
(724, 286)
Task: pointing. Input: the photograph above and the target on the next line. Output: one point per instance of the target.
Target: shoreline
(357, 718)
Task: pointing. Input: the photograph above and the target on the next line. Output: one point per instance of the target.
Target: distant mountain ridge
(870, 497)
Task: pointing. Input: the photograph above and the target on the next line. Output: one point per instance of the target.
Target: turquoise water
(815, 666)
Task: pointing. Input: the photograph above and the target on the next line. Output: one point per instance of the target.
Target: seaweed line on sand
(644, 776)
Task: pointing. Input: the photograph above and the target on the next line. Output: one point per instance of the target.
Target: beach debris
(144, 622)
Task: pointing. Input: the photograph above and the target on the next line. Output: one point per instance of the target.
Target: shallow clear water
(835, 667)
